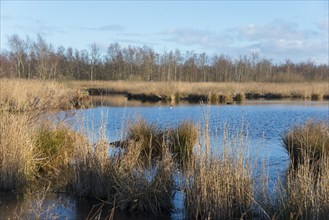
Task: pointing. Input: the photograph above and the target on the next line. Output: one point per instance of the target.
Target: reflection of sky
(262, 126)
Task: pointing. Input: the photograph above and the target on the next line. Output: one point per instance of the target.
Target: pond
(262, 123)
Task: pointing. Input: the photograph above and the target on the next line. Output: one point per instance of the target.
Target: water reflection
(262, 122)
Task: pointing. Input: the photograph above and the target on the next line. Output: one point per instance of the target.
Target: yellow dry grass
(30, 95)
(185, 88)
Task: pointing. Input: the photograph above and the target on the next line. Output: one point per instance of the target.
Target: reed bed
(217, 185)
(300, 90)
(42, 96)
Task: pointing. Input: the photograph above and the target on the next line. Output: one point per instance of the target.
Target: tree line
(29, 59)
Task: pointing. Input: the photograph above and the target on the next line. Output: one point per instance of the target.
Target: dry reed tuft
(304, 195)
(123, 178)
(149, 136)
(182, 141)
(219, 185)
(143, 190)
(17, 151)
(54, 148)
(307, 142)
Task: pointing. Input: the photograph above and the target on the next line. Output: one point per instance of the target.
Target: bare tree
(94, 59)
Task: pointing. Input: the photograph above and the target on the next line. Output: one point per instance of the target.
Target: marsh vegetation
(42, 156)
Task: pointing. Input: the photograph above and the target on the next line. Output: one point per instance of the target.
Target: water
(262, 122)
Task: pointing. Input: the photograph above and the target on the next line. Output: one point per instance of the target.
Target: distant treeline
(27, 58)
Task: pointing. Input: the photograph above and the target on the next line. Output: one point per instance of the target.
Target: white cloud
(279, 39)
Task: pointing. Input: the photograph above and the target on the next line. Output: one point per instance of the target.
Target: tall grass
(182, 89)
(18, 164)
(124, 180)
(219, 184)
(149, 137)
(307, 143)
(33, 95)
(182, 141)
(303, 193)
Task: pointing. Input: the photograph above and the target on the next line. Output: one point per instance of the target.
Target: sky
(276, 30)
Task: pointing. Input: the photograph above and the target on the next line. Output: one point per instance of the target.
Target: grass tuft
(182, 141)
(149, 136)
(307, 143)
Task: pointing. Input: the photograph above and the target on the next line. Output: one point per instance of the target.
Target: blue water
(262, 123)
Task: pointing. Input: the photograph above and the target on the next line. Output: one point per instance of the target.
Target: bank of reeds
(251, 90)
(34, 95)
(216, 185)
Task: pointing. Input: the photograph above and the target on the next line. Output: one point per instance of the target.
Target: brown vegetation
(208, 92)
(216, 185)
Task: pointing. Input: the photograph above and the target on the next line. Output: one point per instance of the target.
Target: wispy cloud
(112, 27)
(278, 39)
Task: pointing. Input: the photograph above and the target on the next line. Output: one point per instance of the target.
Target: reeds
(219, 184)
(180, 90)
(42, 96)
(18, 164)
(149, 136)
(303, 193)
(307, 142)
(182, 141)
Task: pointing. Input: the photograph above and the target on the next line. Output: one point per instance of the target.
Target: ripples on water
(262, 123)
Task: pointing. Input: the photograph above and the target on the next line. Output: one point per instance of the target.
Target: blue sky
(277, 30)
